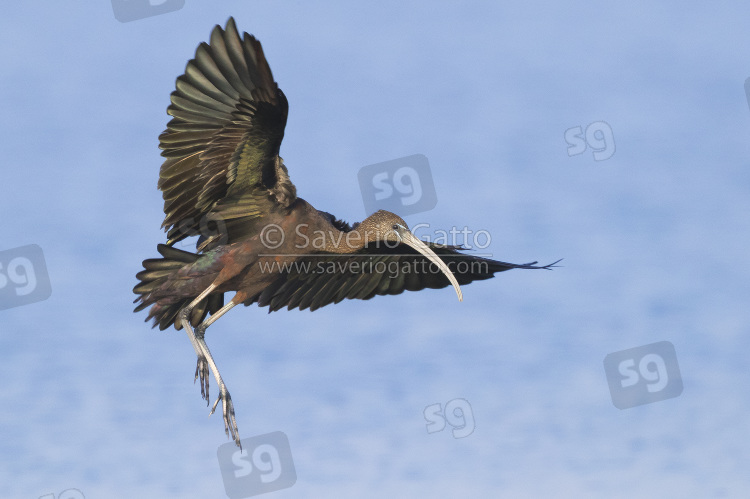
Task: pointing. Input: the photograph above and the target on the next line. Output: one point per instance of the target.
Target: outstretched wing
(318, 280)
(222, 164)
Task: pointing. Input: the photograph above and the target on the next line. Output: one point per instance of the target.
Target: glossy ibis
(223, 170)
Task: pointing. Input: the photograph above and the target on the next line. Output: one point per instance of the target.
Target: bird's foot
(201, 371)
(230, 423)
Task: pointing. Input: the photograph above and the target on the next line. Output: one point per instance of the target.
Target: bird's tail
(164, 296)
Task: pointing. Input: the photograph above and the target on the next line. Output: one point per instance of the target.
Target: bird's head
(391, 230)
(383, 226)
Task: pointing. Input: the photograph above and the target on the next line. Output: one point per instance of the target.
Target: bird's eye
(395, 227)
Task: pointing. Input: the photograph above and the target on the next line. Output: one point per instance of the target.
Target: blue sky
(654, 240)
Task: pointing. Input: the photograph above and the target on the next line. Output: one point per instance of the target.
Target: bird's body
(223, 170)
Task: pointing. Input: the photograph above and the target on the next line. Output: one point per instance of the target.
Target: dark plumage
(223, 179)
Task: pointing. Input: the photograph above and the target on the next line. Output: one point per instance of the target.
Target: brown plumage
(223, 179)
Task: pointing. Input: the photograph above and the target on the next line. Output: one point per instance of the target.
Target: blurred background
(613, 136)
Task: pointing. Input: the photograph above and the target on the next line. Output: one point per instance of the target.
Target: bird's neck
(316, 232)
(337, 241)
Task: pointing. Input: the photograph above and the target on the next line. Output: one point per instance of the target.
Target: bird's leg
(230, 423)
(184, 319)
(201, 369)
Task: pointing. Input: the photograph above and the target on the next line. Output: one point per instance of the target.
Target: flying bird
(223, 179)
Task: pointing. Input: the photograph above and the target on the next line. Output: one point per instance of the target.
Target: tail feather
(164, 308)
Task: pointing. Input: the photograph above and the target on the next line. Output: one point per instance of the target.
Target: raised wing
(222, 167)
(318, 280)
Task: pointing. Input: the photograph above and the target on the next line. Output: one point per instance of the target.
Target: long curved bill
(410, 239)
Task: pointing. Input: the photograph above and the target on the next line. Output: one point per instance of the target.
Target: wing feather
(221, 147)
(406, 270)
